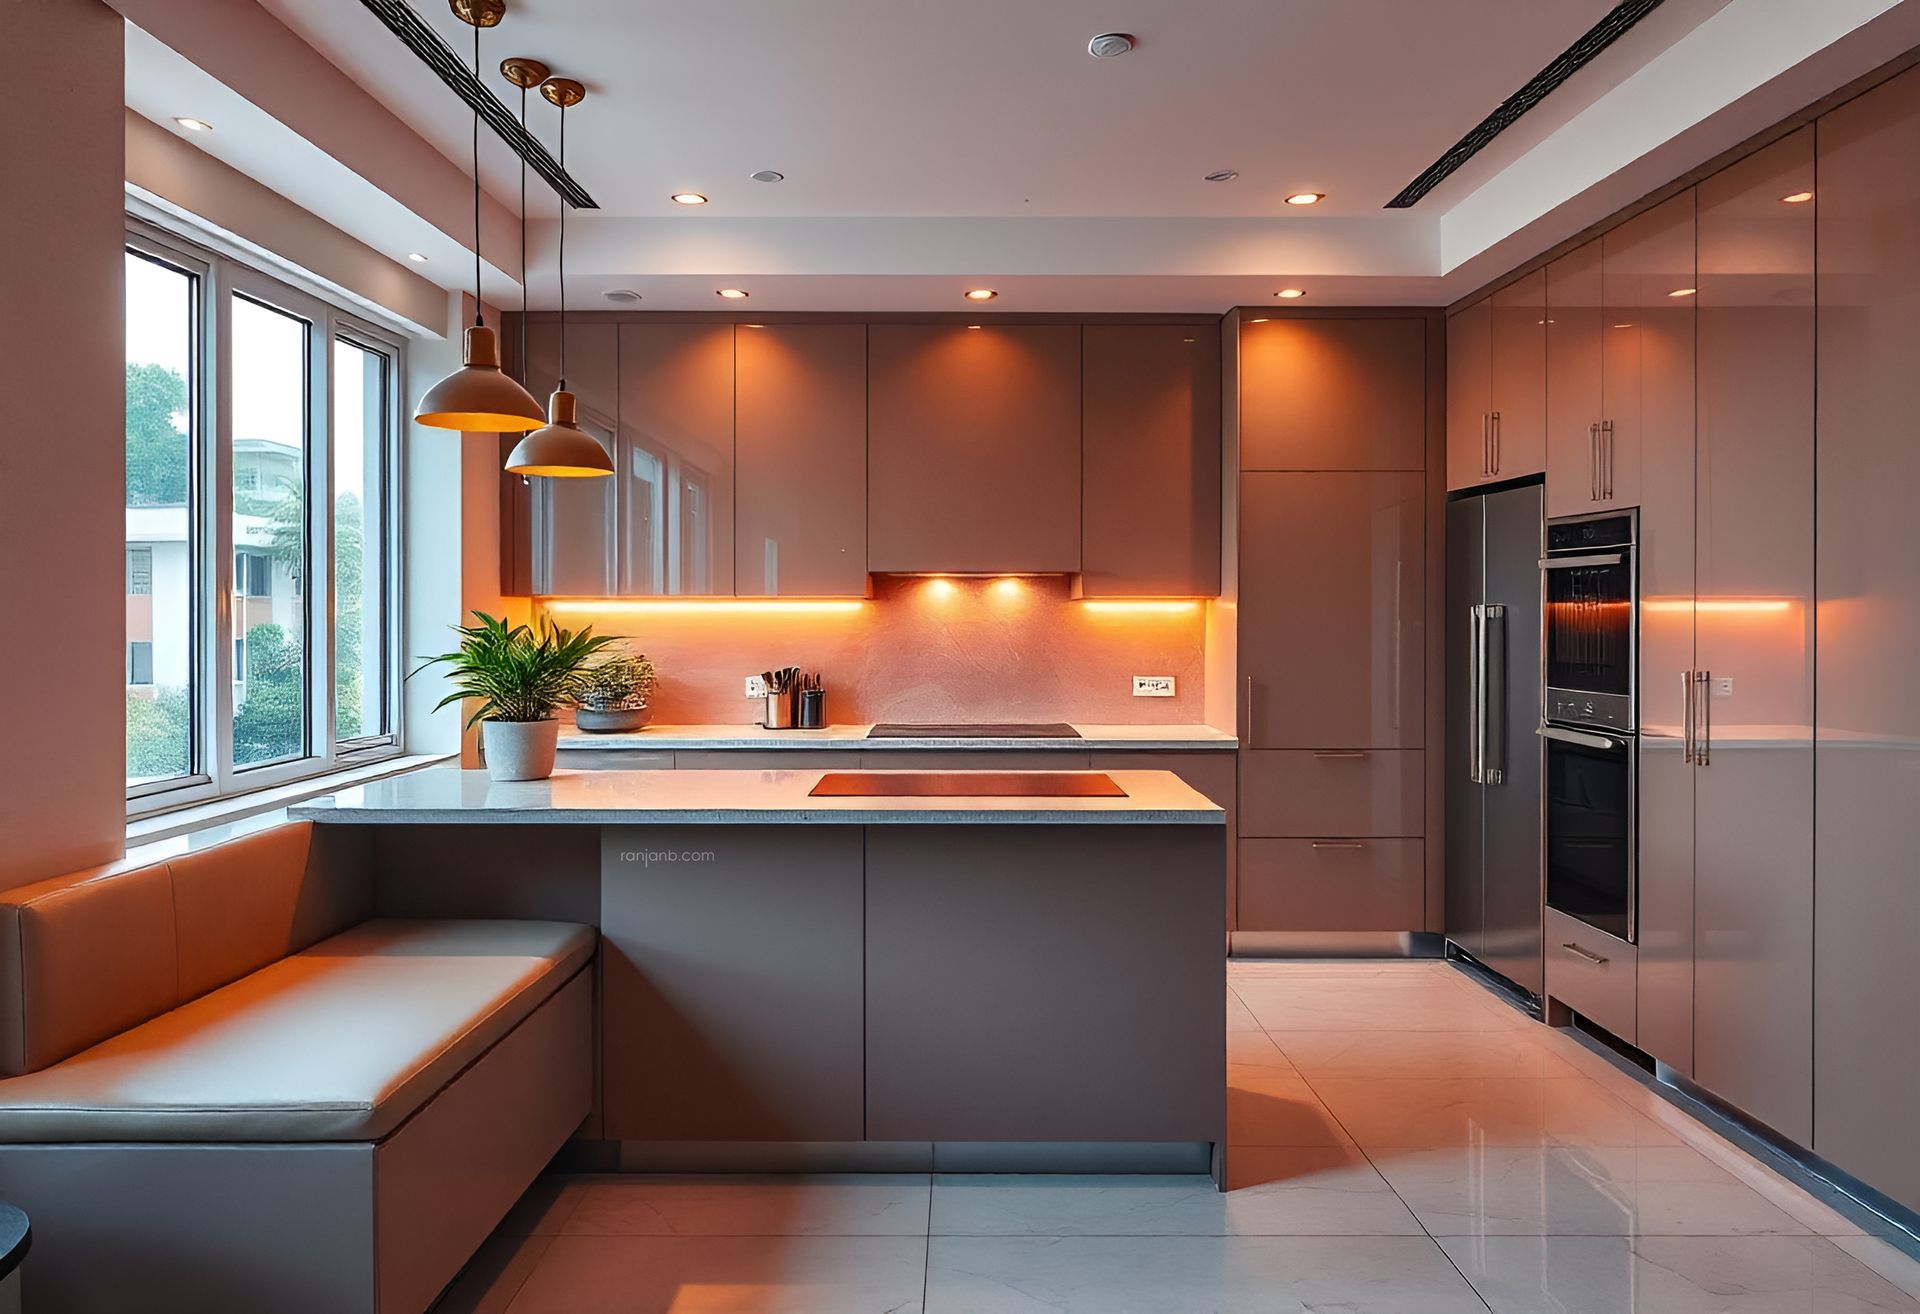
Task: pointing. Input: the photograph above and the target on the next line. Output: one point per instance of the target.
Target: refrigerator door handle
(1493, 694)
(1686, 727)
(1703, 699)
(1476, 692)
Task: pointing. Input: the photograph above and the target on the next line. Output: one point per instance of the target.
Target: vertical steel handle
(1593, 462)
(1493, 694)
(1606, 459)
(1686, 703)
(1496, 442)
(1703, 697)
(1486, 444)
(1246, 700)
(1477, 694)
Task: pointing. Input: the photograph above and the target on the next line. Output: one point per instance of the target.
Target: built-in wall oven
(1591, 592)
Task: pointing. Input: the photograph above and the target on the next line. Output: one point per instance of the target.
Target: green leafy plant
(616, 683)
(517, 672)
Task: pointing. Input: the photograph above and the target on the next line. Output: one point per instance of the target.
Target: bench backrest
(87, 956)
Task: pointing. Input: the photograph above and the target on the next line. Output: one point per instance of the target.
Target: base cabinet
(1332, 884)
(1593, 973)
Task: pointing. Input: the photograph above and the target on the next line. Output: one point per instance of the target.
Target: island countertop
(1097, 738)
(448, 795)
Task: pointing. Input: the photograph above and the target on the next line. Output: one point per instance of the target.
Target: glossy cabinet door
(1151, 453)
(675, 459)
(1655, 351)
(1867, 974)
(800, 453)
(973, 448)
(573, 519)
(1470, 395)
(1333, 394)
(1518, 396)
(1332, 610)
(1574, 320)
(1647, 280)
(1754, 616)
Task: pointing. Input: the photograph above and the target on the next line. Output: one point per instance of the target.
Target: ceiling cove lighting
(194, 125)
(1141, 606)
(477, 397)
(731, 294)
(688, 198)
(703, 606)
(1797, 198)
(981, 294)
(561, 449)
(1306, 198)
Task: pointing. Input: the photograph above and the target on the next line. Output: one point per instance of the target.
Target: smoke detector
(767, 175)
(1110, 45)
(625, 296)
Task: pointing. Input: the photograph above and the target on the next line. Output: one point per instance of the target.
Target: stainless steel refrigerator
(1493, 877)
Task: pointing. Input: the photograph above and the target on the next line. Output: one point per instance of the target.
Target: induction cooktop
(1004, 730)
(966, 784)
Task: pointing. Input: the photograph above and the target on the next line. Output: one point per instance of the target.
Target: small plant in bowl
(612, 694)
(519, 674)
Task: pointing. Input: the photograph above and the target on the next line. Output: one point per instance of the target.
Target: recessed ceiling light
(195, 125)
(753, 326)
(1291, 293)
(1623, 325)
(733, 294)
(1256, 321)
(1110, 45)
(973, 326)
(624, 295)
(1683, 291)
(1798, 198)
(416, 257)
(1223, 175)
(1306, 198)
(981, 294)
(689, 198)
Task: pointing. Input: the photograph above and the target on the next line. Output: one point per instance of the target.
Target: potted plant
(519, 674)
(612, 694)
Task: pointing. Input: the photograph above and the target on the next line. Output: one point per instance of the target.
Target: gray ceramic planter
(607, 721)
(520, 750)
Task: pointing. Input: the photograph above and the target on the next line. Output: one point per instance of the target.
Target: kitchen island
(1023, 980)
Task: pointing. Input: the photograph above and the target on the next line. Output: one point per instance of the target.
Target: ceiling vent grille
(437, 55)
(1575, 57)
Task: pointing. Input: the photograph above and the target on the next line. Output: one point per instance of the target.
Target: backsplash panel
(942, 649)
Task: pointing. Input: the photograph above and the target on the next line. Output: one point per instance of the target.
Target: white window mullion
(319, 563)
(217, 528)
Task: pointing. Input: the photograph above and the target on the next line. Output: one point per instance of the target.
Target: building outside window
(251, 492)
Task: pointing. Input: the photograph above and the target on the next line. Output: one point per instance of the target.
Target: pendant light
(477, 397)
(525, 73)
(561, 449)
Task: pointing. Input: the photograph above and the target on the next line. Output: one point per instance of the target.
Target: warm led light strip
(1747, 605)
(707, 606)
(1141, 606)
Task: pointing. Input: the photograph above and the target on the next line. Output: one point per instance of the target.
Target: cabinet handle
(1587, 954)
(1496, 443)
(1341, 754)
(1686, 704)
(1247, 701)
(1703, 739)
(1486, 444)
(1339, 844)
(1606, 458)
(1593, 462)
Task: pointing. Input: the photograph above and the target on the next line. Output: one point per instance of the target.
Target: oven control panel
(1602, 711)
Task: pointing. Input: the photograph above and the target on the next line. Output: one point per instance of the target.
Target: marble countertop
(442, 795)
(1165, 738)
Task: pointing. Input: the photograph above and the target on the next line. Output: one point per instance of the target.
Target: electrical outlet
(1723, 686)
(756, 687)
(1153, 686)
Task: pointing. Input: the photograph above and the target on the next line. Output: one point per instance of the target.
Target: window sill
(258, 807)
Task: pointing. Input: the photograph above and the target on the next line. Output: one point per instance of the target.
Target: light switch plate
(1153, 686)
(1723, 686)
(756, 687)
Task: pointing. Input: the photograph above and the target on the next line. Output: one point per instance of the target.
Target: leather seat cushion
(340, 1042)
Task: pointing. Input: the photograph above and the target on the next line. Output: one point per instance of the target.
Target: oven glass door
(1590, 623)
(1590, 832)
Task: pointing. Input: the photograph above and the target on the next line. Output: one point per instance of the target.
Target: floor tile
(1267, 1109)
(1664, 1190)
(1500, 1053)
(1256, 1052)
(1671, 1275)
(1889, 1261)
(1284, 1006)
(1484, 1111)
(726, 1275)
(1187, 1275)
(494, 1276)
(1239, 1017)
(1324, 1191)
(716, 1205)
(544, 1207)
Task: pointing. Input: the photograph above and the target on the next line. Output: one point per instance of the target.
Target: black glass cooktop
(1007, 730)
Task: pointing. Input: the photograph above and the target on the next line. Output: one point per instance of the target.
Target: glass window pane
(161, 333)
(270, 408)
(360, 425)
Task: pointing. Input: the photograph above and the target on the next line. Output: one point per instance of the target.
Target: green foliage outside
(156, 441)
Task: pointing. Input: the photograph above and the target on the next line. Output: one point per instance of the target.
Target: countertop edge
(757, 817)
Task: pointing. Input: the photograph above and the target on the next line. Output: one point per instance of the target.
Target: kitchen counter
(442, 795)
(665, 738)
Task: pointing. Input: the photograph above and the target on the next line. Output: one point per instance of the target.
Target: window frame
(220, 277)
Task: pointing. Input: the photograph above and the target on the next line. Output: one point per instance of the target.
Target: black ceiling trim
(1570, 61)
(437, 55)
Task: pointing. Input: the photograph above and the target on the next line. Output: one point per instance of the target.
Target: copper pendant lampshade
(478, 397)
(561, 449)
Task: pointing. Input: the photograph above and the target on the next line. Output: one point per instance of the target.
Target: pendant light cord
(523, 241)
(563, 254)
(478, 318)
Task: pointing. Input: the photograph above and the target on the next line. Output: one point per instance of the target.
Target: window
(279, 658)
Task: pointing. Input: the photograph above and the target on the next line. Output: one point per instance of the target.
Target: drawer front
(977, 759)
(1592, 973)
(1338, 884)
(1289, 794)
(765, 759)
(614, 759)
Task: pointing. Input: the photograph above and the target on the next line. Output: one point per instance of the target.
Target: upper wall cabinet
(1497, 385)
(1574, 314)
(974, 448)
(573, 519)
(675, 459)
(1333, 394)
(1152, 456)
(800, 447)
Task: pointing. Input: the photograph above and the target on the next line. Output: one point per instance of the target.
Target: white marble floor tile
(1666, 1190)
(494, 1276)
(1256, 1052)
(726, 1275)
(1314, 1191)
(1428, 1114)
(1890, 1262)
(1289, 1006)
(1193, 1275)
(1375, 1054)
(1268, 1109)
(1239, 1017)
(1672, 1275)
(543, 1208)
(850, 1204)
